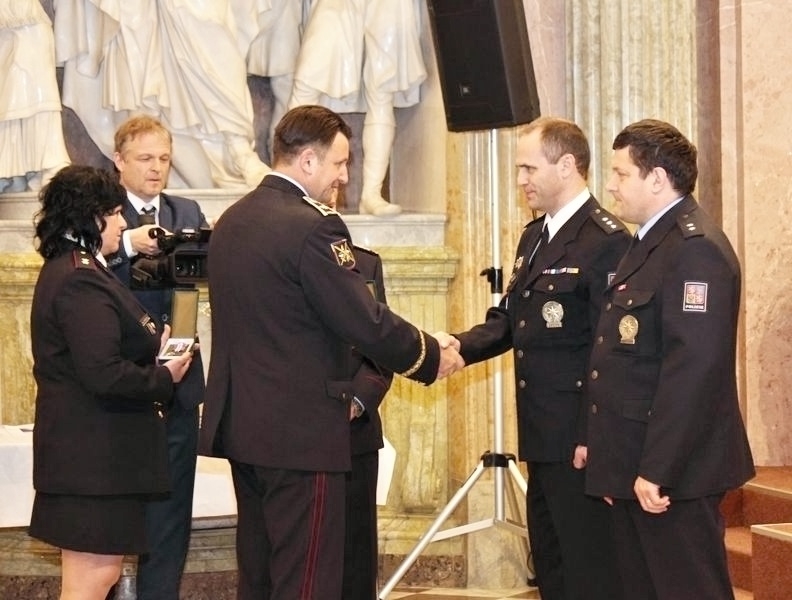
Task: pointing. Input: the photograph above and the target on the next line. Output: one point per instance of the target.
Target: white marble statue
(363, 56)
(182, 61)
(32, 148)
(273, 52)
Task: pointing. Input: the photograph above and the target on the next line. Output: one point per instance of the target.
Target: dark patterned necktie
(147, 215)
(543, 239)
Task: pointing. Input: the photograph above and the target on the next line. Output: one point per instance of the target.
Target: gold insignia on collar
(322, 208)
(343, 253)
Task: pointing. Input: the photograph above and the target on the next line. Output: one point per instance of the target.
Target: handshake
(450, 360)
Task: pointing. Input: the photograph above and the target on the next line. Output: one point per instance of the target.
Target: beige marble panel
(758, 162)
(18, 274)
(629, 60)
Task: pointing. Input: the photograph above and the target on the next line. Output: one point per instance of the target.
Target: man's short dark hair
(654, 143)
(303, 126)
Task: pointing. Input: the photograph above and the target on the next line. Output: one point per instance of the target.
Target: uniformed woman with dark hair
(99, 437)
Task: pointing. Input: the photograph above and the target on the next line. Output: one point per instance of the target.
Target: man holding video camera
(143, 160)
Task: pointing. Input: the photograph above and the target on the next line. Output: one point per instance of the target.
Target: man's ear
(308, 160)
(659, 178)
(117, 160)
(567, 164)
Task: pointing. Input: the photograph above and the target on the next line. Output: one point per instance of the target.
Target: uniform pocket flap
(340, 390)
(632, 299)
(637, 410)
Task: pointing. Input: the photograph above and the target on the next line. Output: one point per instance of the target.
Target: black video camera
(183, 261)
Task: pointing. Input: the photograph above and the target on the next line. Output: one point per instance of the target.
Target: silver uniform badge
(628, 328)
(552, 313)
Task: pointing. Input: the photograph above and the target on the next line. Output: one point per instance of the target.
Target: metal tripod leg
(488, 460)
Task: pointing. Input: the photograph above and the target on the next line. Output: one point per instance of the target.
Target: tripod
(489, 460)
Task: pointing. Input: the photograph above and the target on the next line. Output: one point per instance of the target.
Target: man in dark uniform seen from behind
(287, 303)
(143, 159)
(666, 438)
(547, 316)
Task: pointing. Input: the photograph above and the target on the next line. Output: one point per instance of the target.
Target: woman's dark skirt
(96, 524)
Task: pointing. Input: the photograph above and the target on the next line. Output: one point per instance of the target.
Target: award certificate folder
(184, 323)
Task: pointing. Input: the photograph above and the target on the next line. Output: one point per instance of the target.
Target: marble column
(18, 274)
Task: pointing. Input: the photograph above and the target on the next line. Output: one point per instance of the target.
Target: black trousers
(290, 533)
(571, 536)
(676, 555)
(169, 519)
(360, 546)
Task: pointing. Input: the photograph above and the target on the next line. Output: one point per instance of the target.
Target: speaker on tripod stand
(487, 79)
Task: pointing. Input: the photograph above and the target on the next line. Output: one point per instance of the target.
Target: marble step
(759, 534)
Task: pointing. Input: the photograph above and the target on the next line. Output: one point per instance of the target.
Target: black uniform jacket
(547, 315)
(662, 386)
(370, 382)
(175, 213)
(96, 430)
(287, 303)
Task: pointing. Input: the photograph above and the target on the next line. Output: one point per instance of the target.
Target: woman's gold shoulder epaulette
(81, 259)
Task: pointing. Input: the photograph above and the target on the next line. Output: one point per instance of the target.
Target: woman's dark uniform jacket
(96, 431)
(551, 349)
(287, 303)
(662, 386)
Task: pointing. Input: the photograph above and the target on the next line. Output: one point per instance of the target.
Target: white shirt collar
(648, 225)
(565, 213)
(139, 204)
(287, 178)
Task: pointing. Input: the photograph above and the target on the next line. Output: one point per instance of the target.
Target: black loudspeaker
(484, 63)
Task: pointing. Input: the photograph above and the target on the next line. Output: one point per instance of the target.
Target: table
(213, 496)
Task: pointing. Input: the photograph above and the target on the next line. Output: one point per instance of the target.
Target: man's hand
(580, 457)
(648, 495)
(450, 362)
(142, 242)
(447, 340)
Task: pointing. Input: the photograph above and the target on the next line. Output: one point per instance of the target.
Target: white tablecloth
(214, 489)
(213, 497)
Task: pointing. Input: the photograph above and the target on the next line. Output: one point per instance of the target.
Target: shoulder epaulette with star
(689, 224)
(607, 222)
(81, 259)
(322, 208)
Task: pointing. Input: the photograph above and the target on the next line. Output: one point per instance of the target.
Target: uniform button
(526, 293)
(551, 287)
(593, 409)
(522, 384)
(629, 302)
(522, 324)
(594, 374)
(600, 339)
(578, 383)
(608, 306)
(520, 354)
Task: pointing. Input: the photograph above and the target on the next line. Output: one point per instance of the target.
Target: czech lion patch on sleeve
(695, 296)
(343, 254)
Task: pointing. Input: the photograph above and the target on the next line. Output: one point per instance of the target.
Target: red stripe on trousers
(317, 518)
